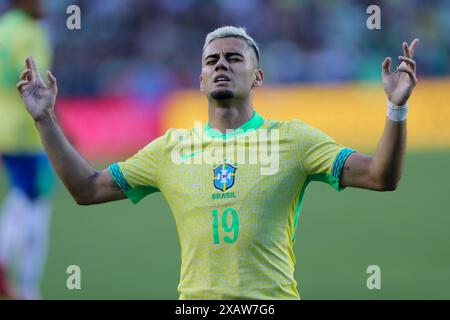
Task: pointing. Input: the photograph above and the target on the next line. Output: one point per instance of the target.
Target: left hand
(399, 84)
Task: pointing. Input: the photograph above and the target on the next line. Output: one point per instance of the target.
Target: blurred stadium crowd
(149, 47)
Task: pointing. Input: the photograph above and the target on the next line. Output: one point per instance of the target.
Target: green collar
(254, 123)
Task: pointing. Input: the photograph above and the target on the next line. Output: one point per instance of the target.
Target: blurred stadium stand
(147, 47)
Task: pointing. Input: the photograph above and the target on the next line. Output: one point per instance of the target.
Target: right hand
(38, 97)
(399, 84)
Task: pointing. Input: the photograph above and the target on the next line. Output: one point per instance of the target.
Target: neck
(229, 114)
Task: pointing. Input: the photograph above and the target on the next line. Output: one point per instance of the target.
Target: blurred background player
(25, 212)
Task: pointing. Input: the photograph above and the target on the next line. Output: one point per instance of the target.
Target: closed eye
(230, 56)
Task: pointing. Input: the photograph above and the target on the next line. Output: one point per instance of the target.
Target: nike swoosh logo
(187, 156)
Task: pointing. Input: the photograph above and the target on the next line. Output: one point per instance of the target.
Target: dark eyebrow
(227, 54)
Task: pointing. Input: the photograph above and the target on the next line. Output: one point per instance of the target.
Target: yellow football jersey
(20, 36)
(236, 199)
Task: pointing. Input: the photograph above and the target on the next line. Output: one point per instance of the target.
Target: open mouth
(221, 78)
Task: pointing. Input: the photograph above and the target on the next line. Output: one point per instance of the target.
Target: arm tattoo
(115, 186)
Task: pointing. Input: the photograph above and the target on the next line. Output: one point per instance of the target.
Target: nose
(221, 64)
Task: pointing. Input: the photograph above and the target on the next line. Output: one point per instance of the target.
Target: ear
(201, 82)
(259, 78)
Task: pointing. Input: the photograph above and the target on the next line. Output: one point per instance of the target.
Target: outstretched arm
(383, 171)
(87, 185)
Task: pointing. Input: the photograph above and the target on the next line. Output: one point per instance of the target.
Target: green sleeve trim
(119, 178)
(135, 194)
(138, 193)
(339, 162)
(329, 179)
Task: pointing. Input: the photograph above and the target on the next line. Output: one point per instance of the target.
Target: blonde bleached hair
(232, 32)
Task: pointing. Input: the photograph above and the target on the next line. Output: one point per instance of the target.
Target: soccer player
(236, 226)
(25, 213)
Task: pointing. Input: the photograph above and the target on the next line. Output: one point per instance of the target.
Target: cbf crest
(224, 176)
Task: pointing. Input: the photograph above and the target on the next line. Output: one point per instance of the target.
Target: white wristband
(396, 113)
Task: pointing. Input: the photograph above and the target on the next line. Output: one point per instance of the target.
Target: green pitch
(131, 252)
